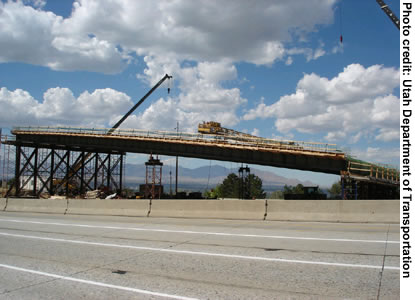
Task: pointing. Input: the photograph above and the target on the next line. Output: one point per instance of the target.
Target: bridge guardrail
(376, 171)
(247, 141)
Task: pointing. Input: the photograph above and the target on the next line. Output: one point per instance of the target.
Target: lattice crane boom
(389, 13)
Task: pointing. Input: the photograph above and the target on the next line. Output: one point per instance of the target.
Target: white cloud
(198, 42)
(200, 96)
(255, 132)
(16, 105)
(378, 155)
(59, 106)
(35, 3)
(98, 35)
(34, 36)
(358, 102)
(289, 61)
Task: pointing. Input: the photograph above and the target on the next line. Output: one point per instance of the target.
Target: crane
(389, 13)
(139, 103)
(78, 163)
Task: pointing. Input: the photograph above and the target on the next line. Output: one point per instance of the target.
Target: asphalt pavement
(45, 256)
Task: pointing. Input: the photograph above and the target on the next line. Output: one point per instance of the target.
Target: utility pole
(177, 159)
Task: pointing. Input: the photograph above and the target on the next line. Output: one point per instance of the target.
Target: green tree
(256, 190)
(298, 189)
(212, 194)
(231, 185)
(335, 190)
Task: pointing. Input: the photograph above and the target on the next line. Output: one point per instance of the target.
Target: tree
(256, 187)
(212, 194)
(231, 185)
(335, 190)
(298, 189)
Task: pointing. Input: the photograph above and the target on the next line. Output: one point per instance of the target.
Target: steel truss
(358, 188)
(244, 182)
(65, 172)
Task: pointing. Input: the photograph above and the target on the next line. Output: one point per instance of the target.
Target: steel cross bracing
(40, 170)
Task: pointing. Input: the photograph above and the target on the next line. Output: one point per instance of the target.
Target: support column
(35, 170)
(52, 172)
(109, 173)
(17, 170)
(96, 172)
(82, 172)
(121, 170)
(68, 154)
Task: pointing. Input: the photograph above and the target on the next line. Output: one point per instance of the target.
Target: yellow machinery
(212, 127)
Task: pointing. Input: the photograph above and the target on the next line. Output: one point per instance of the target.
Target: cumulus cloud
(378, 155)
(101, 35)
(201, 95)
(199, 42)
(60, 106)
(357, 102)
(38, 37)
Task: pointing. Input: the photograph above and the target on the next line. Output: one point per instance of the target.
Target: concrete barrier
(2, 203)
(374, 211)
(51, 206)
(383, 211)
(209, 209)
(371, 211)
(109, 207)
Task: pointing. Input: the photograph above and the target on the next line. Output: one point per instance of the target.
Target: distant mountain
(205, 177)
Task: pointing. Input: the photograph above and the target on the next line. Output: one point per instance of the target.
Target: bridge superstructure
(308, 156)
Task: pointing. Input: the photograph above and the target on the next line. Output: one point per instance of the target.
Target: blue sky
(276, 69)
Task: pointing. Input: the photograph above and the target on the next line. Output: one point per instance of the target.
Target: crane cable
(341, 22)
(169, 85)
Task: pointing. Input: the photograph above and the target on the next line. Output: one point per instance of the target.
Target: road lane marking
(202, 232)
(118, 287)
(260, 258)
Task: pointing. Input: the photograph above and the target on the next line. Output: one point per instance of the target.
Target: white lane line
(202, 232)
(112, 286)
(260, 258)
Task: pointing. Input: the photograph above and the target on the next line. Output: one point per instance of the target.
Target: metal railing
(377, 171)
(198, 137)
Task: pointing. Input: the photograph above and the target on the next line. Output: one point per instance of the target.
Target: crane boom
(138, 103)
(389, 13)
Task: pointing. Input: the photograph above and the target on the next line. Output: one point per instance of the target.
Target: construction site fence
(229, 139)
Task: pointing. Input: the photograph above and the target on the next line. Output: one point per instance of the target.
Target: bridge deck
(286, 154)
(318, 157)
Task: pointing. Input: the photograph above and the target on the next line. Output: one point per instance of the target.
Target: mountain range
(206, 177)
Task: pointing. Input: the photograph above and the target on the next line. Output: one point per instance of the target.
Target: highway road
(46, 256)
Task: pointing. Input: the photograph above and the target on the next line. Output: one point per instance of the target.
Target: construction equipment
(389, 13)
(78, 163)
(139, 103)
(215, 128)
(212, 127)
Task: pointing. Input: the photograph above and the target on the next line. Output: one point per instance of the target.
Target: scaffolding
(244, 182)
(49, 171)
(153, 188)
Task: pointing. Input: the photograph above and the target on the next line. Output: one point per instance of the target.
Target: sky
(276, 69)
